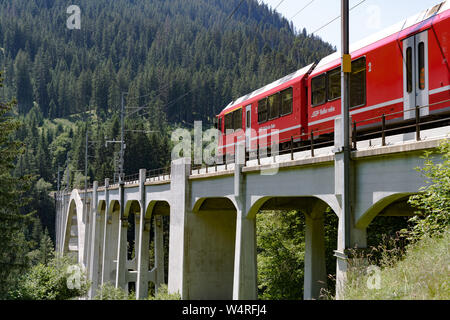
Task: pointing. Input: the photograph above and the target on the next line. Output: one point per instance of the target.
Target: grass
(69, 121)
(422, 274)
(110, 292)
(52, 124)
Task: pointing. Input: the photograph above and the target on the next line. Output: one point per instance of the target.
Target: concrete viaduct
(212, 233)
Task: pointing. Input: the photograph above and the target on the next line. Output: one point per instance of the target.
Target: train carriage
(266, 116)
(392, 72)
(397, 74)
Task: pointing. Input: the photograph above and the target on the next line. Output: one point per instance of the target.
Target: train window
(237, 119)
(247, 118)
(286, 101)
(334, 84)
(409, 70)
(229, 121)
(262, 110)
(358, 83)
(220, 124)
(318, 89)
(274, 106)
(421, 66)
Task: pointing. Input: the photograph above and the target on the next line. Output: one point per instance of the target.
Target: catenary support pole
(342, 157)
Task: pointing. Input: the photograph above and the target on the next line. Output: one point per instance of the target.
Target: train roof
(389, 31)
(291, 77)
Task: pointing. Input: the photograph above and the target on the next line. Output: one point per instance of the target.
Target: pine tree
(24, 88)
(46, 249)
(12, 222)
(42, 77)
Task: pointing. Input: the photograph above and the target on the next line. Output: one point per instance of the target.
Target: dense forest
(179, 60)
(163, 49)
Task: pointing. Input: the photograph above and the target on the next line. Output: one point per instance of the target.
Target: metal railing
(161, 174)
(415, 123)
(132, 178)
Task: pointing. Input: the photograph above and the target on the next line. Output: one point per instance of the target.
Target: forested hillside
(182, 60)
(160, 48)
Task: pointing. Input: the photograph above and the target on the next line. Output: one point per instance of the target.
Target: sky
(369, 17)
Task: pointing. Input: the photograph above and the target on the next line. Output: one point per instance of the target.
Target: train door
(415, 75)
(248, 126)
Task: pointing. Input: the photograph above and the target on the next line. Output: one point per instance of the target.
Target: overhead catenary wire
(331, 21)
(170, 103)
(167, 85)
(306, 6)
(279, 4)
(233, 12)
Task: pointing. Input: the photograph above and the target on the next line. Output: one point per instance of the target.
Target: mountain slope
(186, 58)
(161, 48)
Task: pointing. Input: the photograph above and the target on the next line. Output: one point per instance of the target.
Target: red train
(393, 71)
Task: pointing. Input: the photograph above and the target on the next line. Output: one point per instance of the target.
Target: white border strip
(439, 90)
(380, 105)
(280, 131)
(265, 135)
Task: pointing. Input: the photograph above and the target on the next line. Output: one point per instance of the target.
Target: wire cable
(329, 22)
(171, 102)
(167, 85)
(278, 5)
(309, 3)
(234, 11)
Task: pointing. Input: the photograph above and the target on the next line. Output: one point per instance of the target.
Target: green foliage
(54, 281)
(421, 275)
(78, 182)
(281, 249)
(109, 292)
(418, 270)
(44, 253)
(163, 294)
(433, 202)
(13, 246)
(24, 88)
(130, 46)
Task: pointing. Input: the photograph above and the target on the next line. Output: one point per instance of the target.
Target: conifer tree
(12, 222)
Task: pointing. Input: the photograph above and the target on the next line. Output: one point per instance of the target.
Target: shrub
(163, 294)
(433, 202)
(60, 279)
(109, 292)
